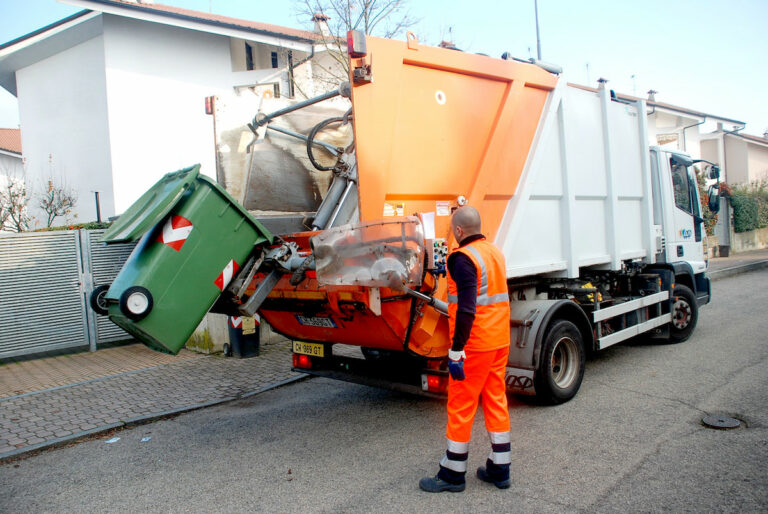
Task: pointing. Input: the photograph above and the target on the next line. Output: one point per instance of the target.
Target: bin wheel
(227, 350)
(98, 300)
(136, 303)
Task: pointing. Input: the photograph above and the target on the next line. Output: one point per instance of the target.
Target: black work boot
(496, 474)
(438, 485)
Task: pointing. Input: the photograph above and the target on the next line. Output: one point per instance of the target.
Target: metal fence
(46, 279)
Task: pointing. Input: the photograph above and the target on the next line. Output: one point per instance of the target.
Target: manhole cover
(721, 422)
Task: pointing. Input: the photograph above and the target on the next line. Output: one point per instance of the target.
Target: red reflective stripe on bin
(222, 281)
(236, 321)
(175, 232)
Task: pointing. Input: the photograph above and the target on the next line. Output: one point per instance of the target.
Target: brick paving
(22, 375)
(37, 419)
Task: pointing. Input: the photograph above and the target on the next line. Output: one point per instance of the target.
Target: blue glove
(456, 364)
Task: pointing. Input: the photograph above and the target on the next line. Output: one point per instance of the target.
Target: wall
(757, 162)
(736, 160)
(752, 240)
(63, 109)
(710, 151)
(10, 166)
(157, 79)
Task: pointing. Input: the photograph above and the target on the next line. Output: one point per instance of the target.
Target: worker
(478, 308)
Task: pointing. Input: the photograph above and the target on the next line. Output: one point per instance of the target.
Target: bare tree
(58, 200)
(384, 18)
(13, 204)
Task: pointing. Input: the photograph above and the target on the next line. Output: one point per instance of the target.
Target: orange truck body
(435, 127)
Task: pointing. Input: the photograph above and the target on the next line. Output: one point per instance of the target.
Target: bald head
(467, 220)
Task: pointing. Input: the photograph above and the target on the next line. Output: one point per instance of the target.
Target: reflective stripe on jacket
(490, 330)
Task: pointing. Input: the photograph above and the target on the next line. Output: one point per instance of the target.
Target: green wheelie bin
(194, 237)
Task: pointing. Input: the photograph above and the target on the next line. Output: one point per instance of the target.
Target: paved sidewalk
(721, 267)
(43, 418)
(21, 375)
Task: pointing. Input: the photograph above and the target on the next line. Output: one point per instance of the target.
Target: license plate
(316, 322)
(311, 349)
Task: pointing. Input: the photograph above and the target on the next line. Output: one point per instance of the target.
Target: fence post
(84, 238)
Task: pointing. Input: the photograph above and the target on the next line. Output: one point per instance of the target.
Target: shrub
(750, 206)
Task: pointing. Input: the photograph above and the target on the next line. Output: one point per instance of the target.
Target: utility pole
(538, 38)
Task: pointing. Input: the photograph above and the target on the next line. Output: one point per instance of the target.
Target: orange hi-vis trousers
(485, 372)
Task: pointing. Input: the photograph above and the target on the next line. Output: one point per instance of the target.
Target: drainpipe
(685, 142)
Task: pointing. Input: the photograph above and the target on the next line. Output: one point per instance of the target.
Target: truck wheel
(685, 314)
(98, 300)
(561, 367)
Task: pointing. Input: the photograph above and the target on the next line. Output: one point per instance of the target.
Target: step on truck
(347, 199)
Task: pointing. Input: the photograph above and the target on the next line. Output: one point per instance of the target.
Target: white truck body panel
(584, 199)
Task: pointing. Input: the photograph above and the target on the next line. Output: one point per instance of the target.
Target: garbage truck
(343, 251)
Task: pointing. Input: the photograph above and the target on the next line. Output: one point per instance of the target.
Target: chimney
(652, 95)
(321, 24)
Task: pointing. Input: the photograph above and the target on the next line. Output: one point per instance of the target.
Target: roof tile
(10, 140)
(218, 19)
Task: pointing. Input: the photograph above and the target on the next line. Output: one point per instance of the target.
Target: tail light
(434, 383)
(302, 361)
(356, 44)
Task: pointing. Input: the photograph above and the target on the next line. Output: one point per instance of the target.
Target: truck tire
(685, 314)
(561, 366)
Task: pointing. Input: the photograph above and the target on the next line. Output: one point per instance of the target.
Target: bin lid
(152, 207)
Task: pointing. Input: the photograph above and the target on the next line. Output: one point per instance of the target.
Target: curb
(736, 270)
(145, 418)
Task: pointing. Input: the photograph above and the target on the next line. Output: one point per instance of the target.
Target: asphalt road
(630, 441)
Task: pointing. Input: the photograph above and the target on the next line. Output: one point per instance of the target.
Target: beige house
(745, 157)
(680, 128)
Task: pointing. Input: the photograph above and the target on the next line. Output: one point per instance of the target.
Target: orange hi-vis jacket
(490, 330)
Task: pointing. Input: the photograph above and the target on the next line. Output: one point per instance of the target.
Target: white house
(11, 164)
(113, 97)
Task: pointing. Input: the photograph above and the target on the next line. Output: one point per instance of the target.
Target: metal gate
(41, 299)
(102, 265)
(45, 281)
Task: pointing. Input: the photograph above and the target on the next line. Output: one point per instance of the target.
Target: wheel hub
(681, 314)
(564, 362)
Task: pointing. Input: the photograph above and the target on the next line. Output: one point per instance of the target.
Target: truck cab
(677, 215)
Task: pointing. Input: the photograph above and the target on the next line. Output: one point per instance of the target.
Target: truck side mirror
(713, 200)
(714, 172)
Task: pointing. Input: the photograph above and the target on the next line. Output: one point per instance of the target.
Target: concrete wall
(63, 109)
(757, 162)
(157, 79)
(752, 240)
(736, 157)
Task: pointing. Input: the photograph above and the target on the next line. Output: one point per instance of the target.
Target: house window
(248, 57)
(274, 59)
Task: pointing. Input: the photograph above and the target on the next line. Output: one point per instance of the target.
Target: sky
(705, 55)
